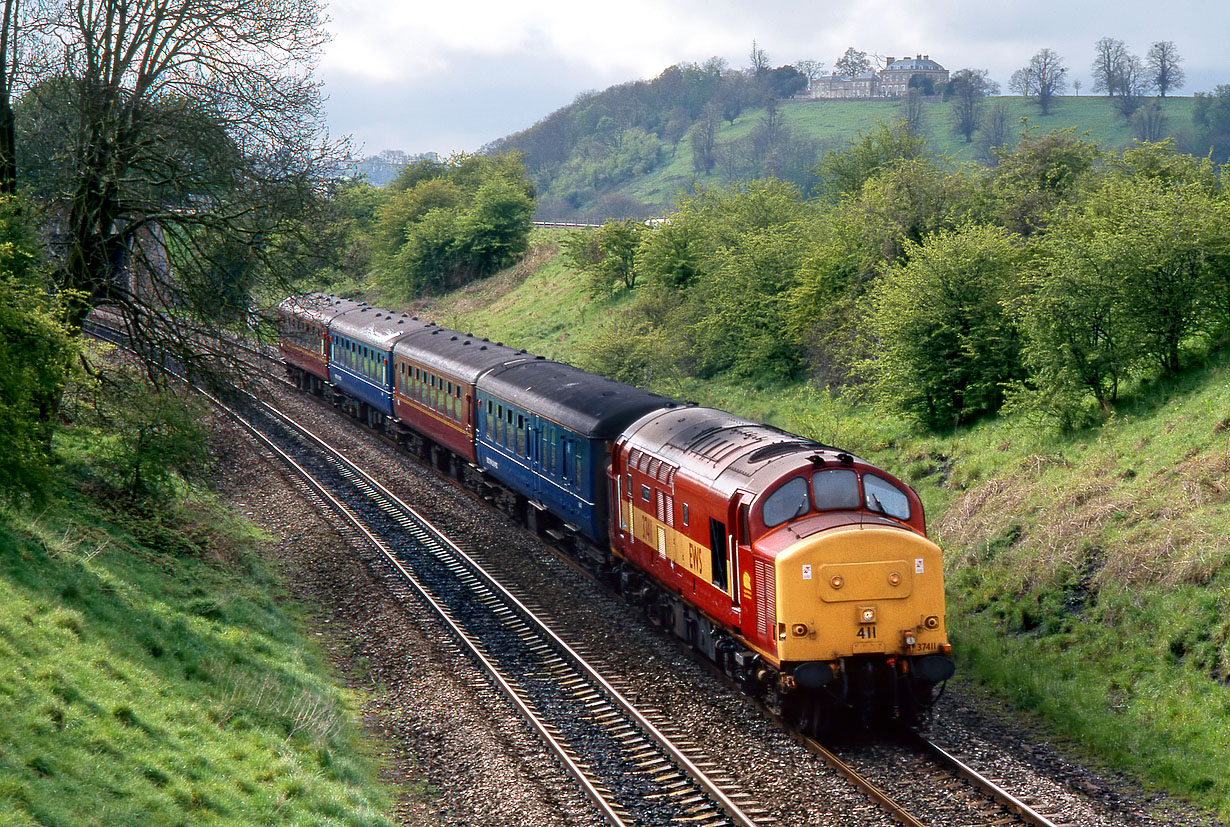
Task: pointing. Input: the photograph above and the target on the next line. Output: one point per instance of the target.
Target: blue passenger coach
(545, 430)
(361, 357)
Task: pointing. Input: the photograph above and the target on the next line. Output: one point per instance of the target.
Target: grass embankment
(834, 124)
(1088, 573)
(148, 675)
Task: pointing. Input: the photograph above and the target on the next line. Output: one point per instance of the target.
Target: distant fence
(564, 224)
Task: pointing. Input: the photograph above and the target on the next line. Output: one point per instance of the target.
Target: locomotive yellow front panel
(854, 591)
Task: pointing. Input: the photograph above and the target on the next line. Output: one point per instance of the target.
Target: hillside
(593, 183)
(833, 124)
(1087, 572)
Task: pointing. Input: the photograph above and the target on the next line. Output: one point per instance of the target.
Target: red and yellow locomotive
(802, 571)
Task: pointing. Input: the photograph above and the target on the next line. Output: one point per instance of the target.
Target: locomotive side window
(835, 488)
(717, 554)
(685, 514)
(787, 502)
(881, 495)
(645, 493)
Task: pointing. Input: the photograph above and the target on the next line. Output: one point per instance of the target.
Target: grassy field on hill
(836, 123)
(149, 676)
(1088, 573)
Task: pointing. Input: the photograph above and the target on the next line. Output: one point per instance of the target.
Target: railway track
(911, 774)
(631, 771)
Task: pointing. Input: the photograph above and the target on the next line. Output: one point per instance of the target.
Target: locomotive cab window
(787, 502)
(882, 496)
(835, 488)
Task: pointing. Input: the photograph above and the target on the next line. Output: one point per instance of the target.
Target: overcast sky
(452, 75)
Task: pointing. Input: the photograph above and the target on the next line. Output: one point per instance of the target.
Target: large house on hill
(890, 82)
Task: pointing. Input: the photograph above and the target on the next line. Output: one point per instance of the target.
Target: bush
(947, 342)
(35, 353)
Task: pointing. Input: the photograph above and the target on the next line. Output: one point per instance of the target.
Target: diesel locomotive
(798, 569)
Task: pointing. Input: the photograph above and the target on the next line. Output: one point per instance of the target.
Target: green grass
(836, 123)
(1088, 573)
(151, 677)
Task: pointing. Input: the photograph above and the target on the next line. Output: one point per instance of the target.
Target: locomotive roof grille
(770, 451)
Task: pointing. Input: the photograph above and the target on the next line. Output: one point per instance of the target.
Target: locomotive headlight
(910, 640)
(837, 582)
(932, 622)
(894, 579)
(867, 615)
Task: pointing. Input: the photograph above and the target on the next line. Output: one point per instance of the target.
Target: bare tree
(1109, 54)
(11, 53)
(1149, 122)
(811, 69)
(967, 89)
(193, 155)
(758, 61)
(1132, 84)
(995, 132)
(912, 108)
(1164, 60)
(703, 139)
(1042, 79)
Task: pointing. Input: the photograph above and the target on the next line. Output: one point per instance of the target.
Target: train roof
(593, 406)
(317, 307)
(374, 326)
(726, 451)
(456, 354)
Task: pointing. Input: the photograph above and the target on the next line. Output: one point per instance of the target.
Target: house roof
(914, 64)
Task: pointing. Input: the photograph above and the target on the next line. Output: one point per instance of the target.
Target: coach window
(520, 435)
(510, 434)
(490, 418)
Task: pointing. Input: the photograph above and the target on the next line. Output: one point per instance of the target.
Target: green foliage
(1131, 272)
(156, 437)
(1031, 180)
(452, 224)
(671, 254)
(946, 343)
(35, 353)
(1211, 116)
(741, 327)
(600, 165)
(843, 172)
(607, 255)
